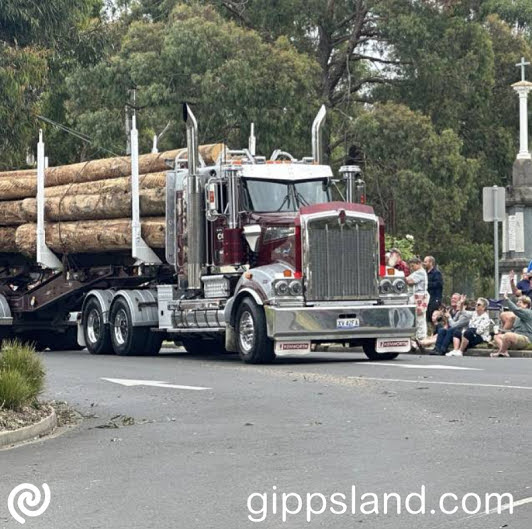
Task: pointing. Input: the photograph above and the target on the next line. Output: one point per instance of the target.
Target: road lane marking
(423, 366)
(154, 383)
(423, 381)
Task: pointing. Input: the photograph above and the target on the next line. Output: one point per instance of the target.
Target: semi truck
(260, 259)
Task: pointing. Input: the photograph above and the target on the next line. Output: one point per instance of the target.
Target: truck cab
(282, 264)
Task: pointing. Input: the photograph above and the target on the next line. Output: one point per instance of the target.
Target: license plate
(347, 323)
(393, 345)
(289, 348)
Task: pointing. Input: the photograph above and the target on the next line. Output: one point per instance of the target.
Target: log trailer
(259, 259)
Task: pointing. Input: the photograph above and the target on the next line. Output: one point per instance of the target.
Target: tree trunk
(109, 185)
(7, 240)
(114, 205)
(12, 213)
(95, 236)
(22, 184)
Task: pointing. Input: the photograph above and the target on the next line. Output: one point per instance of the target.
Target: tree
(427, 178)
(229, 75)
(344, 37)
(37, 40)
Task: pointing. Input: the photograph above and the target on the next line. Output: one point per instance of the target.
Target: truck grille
(341, 258)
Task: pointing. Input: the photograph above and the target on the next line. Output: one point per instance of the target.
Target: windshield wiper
(286, 199)
(301, 199)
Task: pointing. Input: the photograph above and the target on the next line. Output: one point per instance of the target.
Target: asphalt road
(322, 424)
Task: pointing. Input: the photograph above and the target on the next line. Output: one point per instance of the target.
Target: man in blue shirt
(523, 287)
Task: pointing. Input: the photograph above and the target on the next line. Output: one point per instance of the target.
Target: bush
(15, 390)
(21, 359)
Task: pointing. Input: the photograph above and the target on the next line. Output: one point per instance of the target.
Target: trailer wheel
(95, 331)
(203, 345)
(370, 351)
(254, 346)
(126, 339)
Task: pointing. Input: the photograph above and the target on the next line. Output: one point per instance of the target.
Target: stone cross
(523, 87)
(522, 65)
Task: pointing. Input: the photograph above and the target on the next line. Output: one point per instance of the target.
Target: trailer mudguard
(104, 297)
(143, 306)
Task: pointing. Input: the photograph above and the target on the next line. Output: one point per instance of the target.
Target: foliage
(15, 391)
(22, 76)
(229, 75)
(404, 244)
(423, 176)
(21, 375)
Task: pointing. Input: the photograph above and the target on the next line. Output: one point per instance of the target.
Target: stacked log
(88, 205)
(8, 240)
(90, 236)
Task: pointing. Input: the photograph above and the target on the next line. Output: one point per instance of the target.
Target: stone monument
(517, 227)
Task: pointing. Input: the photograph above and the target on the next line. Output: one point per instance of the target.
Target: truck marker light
(287, 273)
(390, 271)
(298, 275)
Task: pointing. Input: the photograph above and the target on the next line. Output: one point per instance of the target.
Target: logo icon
(26, 499)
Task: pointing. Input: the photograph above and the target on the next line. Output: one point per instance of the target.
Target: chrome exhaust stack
(195, 214)
(317, 127)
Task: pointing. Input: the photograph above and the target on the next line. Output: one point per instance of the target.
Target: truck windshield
(273, 195)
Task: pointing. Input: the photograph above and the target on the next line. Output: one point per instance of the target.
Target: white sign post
(494, 210)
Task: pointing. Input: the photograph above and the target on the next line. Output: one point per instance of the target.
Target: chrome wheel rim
(94, 326)
(121, 328)
(246, 332)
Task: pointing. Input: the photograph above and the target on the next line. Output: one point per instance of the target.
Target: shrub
(15, 391)
(23, 359)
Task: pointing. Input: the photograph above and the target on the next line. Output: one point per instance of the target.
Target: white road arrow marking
(153, 383)
(421, 366)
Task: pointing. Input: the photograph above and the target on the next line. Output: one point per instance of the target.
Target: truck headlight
(296, 288)
(281, 288)
(386, 286)
(399, 285)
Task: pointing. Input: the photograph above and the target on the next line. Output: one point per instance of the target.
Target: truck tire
(254, 346)
(203, 345)
(126, 339)
(95, 331)
(370, 351)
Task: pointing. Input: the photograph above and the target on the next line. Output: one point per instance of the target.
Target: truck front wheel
(370, 351)
(95, 331)
(254, 346)
(126, 339)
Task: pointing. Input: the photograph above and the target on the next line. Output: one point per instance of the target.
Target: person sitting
(524, 287)
(520, 335)
(396, 261)
(458, 320)
(478, 329)
(439, 321)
